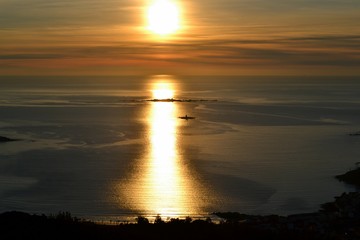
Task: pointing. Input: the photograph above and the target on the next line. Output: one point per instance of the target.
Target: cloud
(44, 13)
(30, 56)
(230, 33)
(333, 50)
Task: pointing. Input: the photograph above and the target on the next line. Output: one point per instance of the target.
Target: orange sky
(248, 37)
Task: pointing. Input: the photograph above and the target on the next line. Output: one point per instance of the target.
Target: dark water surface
(95, 147)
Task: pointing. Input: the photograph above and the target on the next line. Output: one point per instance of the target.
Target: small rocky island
(351, 177)
(181, 100)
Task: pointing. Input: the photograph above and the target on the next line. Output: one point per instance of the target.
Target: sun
(163, 90)
(163, 17)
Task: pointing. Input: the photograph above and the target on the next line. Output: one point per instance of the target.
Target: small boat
(186, 117)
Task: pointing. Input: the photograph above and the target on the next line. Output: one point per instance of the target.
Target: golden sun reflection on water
(164, 174)
(162, 182)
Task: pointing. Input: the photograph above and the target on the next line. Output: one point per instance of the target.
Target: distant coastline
(355, 133)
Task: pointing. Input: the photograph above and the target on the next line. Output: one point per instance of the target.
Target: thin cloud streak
(44, 13)
(220, 52)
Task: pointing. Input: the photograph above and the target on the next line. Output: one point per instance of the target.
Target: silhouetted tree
(142, 220)
(158, 220)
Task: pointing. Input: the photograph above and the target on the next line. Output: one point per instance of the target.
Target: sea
(114, 148)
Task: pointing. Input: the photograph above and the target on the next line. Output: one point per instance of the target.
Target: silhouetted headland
(5, 139)
(351, 177)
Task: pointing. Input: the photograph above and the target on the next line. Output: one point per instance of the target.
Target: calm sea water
(95, 147)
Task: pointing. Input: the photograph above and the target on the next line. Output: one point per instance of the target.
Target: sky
(216, 37)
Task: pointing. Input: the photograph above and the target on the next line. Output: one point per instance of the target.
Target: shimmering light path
(162, 183)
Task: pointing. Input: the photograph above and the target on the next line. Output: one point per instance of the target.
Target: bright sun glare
(163, 91)
(163, 17)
